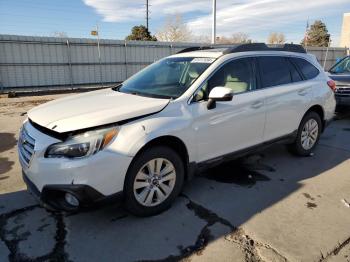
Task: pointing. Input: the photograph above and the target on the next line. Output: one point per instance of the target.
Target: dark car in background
(340, 73)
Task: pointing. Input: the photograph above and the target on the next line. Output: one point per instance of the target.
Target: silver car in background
(340, 73)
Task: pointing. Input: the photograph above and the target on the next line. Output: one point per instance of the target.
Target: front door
(233, 125)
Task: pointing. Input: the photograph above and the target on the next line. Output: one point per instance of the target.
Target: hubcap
(309, 134)
(154, 182)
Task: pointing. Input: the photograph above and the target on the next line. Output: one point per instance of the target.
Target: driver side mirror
(219, 93)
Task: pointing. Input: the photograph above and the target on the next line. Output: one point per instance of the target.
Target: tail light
(332, 85)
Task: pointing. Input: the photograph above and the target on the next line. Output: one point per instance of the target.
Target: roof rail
(194, 48)
(263, 47)
(249, 47)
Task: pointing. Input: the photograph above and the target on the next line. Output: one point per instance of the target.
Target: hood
(340, 79)
(93, 109)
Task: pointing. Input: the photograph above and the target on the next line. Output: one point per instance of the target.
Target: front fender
(168, 127)
(172, 122)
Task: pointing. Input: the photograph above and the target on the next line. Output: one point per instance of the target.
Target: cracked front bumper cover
(52, 197)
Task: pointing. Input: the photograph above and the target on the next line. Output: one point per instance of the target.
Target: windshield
(167, 78)
(342, 67)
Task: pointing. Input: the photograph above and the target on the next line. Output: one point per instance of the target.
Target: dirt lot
(271, 206)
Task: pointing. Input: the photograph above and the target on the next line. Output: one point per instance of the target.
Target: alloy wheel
(154, 182)
(309, 134)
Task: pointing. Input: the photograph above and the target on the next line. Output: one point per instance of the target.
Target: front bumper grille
(342, 91)
(25, 147)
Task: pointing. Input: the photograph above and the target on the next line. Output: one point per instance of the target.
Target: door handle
(302, 92)
(257, 104)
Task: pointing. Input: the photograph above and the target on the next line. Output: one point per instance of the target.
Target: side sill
(198, 167)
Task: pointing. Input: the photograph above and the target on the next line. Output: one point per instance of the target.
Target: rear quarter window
(308, 70)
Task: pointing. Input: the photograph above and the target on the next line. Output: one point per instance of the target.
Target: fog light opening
(71, 199)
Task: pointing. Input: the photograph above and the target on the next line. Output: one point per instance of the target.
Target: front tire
(154, 179)
(308, 134)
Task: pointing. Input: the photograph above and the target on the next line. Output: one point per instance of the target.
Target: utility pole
(306, 36)
(96, 32)
(98, 43)
(147, 14)
(325, 58)
(213, 29)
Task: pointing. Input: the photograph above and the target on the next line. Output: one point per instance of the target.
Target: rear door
(287, 95)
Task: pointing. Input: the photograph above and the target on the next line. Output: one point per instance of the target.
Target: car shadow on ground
(8, 141)
(214, 204)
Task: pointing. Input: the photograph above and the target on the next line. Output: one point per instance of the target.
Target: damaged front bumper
(54, 197)
(58, 181)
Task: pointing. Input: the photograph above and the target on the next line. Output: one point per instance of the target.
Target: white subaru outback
(142, 139)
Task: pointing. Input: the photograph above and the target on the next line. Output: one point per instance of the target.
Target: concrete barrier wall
(30, 62)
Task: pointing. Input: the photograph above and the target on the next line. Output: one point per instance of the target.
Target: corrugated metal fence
(27, 61)
(333, 55)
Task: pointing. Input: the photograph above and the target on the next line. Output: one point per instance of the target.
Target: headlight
(83, 145)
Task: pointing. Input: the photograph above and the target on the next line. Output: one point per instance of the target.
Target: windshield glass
(342, 67)
(167, 78)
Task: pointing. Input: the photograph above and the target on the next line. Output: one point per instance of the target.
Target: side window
(274, 71)
(296, 77)
(237, 75)
(308, 70)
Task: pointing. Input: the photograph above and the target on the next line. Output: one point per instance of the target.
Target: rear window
(274, 71)
(307, 69)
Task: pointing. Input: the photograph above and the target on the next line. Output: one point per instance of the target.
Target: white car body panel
(99, 171)
(285, 106)
(174, 120)
(93, 109)
(231, 126)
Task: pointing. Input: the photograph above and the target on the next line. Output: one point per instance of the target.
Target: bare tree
(174, 30)
(240, 38)
(60, 34)
(235, 38)
(223, 40)
(205, 39)
(276, 38)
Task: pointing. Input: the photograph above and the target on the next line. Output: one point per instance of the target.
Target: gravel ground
(270, 206)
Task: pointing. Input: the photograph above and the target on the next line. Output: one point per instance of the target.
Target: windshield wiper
(117, 87)
(150, 95)
(137, 93)
(159, 96)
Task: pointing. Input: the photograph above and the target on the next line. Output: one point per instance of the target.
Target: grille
(343, 91)
(26, 147)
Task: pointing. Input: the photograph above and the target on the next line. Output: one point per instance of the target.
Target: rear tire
(308, 134)
(154, 179)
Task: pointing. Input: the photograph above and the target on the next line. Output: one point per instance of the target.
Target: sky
(115, 18)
